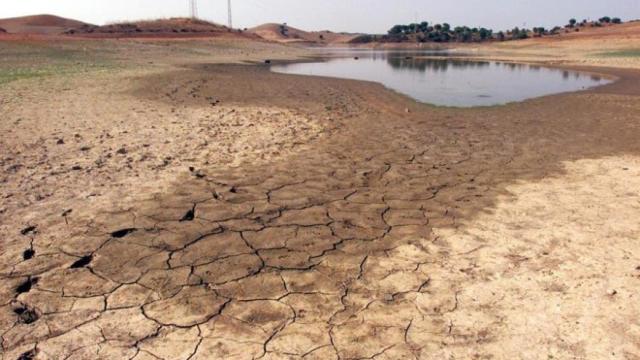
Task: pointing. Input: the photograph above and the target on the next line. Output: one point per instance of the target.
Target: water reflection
(424, 64)
(448, 81)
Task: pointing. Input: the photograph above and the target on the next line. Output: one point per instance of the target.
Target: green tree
(616, 20)
(605, 19)
(515, 32)
(396, 30)
(484, 33)
(467, 35)
(572, 22)
(523, 34)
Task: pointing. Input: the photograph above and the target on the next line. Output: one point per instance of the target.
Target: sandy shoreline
(261, 215)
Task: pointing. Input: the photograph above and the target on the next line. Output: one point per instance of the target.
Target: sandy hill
(157, 28)
(39, 24)
(288, 34)
(620, 31)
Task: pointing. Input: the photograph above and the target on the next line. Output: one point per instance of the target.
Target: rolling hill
(160, 28)
(287, 34)
(39, 24)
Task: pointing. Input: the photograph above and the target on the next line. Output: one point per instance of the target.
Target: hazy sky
(374, 16)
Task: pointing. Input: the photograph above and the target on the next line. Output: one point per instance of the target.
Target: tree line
(426, 32)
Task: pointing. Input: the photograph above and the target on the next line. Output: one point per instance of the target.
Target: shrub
(539, 31)
(284, 30)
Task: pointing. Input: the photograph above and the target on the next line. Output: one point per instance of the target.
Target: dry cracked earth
(377, 228)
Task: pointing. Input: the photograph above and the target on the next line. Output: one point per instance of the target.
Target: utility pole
(193, 5)
(230, 19)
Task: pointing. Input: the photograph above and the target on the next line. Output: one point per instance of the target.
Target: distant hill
(288, 34)
(627, 30)
(157, 28)
(39, 24)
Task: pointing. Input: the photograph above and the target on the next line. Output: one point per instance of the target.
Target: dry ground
(273, 32)
(160, 205)
(612, 46)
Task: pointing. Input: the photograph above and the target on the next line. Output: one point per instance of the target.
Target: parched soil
(225, 212)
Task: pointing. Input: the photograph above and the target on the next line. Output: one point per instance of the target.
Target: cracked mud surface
(309, 218)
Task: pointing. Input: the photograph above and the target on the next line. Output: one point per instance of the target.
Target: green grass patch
(27, 61)
(632, 53)
(14, 73)
(9, 75)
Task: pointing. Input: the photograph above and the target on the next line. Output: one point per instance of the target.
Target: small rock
(612, 292)
(26, 315)
(60, 141)
(14, 168)
(27, 230)
(121, 151)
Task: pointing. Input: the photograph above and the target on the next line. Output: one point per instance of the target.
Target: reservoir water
(448, 82)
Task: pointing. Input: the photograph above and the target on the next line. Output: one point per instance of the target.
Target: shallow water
(448, 82)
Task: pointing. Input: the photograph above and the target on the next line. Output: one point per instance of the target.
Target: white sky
(374, 16)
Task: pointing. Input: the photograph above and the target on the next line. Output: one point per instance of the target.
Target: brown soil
(607, 31)
(273, 32)
(193, 210)
(39, 24)
(166, 28)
